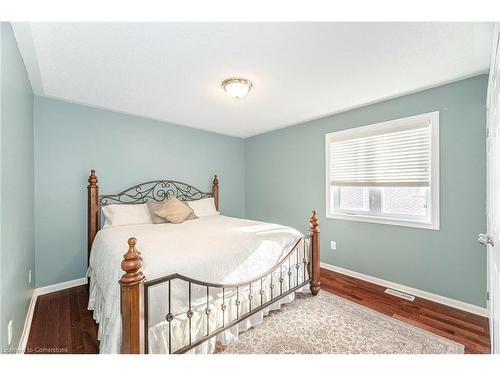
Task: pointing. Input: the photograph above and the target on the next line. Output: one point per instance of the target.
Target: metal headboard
(158, 191)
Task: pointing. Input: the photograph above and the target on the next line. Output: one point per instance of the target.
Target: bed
(182, 288)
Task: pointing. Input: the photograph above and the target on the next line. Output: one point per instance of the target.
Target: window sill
(380, 220)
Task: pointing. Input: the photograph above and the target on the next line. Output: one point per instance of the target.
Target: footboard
(197, 311)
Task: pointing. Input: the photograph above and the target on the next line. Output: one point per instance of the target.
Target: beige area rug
(330, 324)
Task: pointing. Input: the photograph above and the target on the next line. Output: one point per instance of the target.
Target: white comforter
(217, 249)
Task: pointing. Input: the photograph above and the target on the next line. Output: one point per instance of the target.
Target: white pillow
(203, 207)
(126, 214)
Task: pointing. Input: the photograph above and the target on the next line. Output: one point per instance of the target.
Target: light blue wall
(277, 176)
(285, 179)
(71, 139)
(17, 251)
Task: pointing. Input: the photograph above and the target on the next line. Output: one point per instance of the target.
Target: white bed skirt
(158, 333)
(109, 333)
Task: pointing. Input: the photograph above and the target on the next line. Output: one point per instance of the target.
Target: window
(385, 173)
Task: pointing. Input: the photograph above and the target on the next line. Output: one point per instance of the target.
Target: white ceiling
(300, 71)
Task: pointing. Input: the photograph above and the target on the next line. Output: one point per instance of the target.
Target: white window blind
(386, 173)
(382, 157)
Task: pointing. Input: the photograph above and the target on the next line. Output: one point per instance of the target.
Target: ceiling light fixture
(236, 87)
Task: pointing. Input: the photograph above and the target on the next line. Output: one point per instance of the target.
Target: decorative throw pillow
(174, 211)
(192, 216)
(154, 206)
(126, 214)
(204, 207)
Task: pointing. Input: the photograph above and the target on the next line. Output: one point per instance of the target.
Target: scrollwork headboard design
(157, 191)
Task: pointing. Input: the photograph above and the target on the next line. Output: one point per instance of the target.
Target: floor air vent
(399, 294)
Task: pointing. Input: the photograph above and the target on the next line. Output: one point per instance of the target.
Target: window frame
(434, 223)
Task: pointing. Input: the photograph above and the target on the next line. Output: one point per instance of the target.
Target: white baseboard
(23, 341)
(416, 292)
(31, 309)
(65, 285)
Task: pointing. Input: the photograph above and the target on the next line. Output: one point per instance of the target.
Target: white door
(492, 238)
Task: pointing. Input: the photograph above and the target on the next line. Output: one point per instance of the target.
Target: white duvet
(216, 249)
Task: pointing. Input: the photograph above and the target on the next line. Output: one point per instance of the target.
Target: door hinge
(487, 296)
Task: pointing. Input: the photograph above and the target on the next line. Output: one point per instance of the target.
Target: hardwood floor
(468, 329)
(62, 324)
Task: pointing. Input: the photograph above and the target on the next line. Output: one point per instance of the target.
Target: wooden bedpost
(315, 264)
(130, 288)
(215, 192)
(93, 211)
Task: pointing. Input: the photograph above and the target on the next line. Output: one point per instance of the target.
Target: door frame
(493, 174)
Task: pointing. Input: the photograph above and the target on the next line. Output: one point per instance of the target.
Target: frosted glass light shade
(237, 88)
